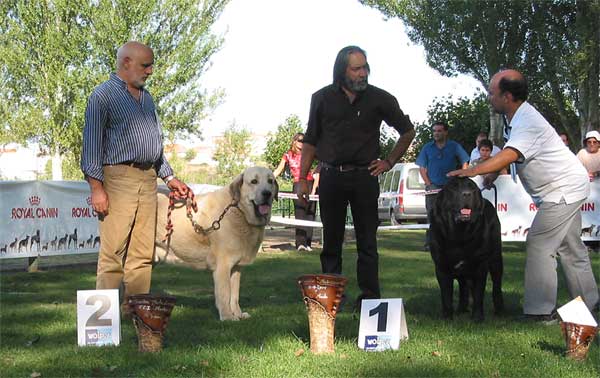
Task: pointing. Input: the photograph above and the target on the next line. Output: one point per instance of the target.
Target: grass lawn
(38, 325)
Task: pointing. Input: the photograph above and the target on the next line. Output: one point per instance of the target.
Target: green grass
(38, 326)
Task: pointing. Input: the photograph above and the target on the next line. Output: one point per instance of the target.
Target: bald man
(121, 159)
(558, 185)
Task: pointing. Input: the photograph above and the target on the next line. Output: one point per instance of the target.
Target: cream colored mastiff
(235, 244)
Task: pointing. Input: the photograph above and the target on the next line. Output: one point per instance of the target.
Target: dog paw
(244, 315)
(230, 316)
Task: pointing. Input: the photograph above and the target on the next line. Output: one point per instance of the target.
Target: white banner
(46, 218)
(516, 209)
(49, 218)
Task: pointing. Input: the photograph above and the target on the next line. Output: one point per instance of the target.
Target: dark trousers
(304, 212)
(361, 190)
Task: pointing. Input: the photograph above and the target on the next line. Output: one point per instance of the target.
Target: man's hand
(378, 167)
(99, 197)
(100, 200)
(462, 173)
(302, 191)
(180, 188)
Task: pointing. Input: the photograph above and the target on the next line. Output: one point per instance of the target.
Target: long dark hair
(341, 63)
(294, 139)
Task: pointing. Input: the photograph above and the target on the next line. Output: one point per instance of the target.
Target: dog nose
(266, 194)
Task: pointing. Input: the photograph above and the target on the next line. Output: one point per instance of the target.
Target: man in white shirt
(557, 183)
(475, 151)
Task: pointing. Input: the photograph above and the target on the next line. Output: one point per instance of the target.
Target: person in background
(558, 185)
(435, 160)
(317, 177)
(589, 155)
(343, 133)
(565, 138)
(121, 159)
(302, 210)
(485, 152)
(475, 151)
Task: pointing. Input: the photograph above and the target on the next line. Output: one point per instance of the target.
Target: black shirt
(348, 133)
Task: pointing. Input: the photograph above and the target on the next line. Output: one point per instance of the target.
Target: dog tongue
(465, 211)
(264, 209)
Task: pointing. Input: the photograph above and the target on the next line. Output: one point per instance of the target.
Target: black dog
(465, 245)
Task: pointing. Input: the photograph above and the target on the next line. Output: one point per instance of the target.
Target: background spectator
(302, 210)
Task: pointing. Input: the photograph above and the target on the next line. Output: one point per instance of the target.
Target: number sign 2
(382, 324)
(98, 321)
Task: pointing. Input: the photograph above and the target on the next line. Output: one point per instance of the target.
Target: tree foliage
(555, 43)
(280, 141)
(233, 153)
(465, 118)
(53, 53)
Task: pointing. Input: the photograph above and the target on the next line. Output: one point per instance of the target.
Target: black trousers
(304, 212)
(361, 190)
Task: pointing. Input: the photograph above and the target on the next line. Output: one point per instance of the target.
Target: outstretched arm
(494, 164)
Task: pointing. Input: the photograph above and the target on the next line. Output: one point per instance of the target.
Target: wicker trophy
(150, 315)
(578, 338)
(322, 294)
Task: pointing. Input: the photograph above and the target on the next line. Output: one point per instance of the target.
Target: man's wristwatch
(168, 179)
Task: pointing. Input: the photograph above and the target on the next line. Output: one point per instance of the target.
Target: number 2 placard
(98, 321)
(382, 324)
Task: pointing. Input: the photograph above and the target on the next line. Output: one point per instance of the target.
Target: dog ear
(235, 188)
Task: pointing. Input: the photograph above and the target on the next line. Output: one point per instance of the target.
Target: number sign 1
(98, 321)
(382, 324)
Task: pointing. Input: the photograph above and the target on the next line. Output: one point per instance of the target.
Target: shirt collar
(114, 78)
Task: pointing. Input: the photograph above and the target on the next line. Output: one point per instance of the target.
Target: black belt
(134, 164)
(345, 167)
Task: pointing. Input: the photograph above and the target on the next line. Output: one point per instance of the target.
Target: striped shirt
(119, 128)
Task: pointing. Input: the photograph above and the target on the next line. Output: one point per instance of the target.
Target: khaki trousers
(127, 232)
(555, 234)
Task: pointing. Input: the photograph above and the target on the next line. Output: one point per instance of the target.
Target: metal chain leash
(190, 204)
(216, 225)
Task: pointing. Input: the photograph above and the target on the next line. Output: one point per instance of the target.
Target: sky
(277, 53)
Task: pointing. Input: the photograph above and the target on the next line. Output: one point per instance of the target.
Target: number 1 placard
(382, 324)
(98, 321)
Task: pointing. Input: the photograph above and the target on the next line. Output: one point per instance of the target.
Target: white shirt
(475, 153)
(548, 170)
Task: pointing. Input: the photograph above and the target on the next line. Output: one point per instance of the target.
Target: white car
(402, 194)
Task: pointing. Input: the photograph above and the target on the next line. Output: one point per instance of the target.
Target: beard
(358, 85)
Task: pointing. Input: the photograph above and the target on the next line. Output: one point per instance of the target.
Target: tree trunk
(496, 128)
(57, 166)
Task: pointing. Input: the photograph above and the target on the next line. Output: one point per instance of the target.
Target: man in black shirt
(343, 133)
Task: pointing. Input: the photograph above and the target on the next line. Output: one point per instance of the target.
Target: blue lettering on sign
(371, 342)
(98, 336)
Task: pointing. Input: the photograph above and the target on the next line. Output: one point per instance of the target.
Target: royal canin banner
(49, 218)
(516, 209)
(46, 218)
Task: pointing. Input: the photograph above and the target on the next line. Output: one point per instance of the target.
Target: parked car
(402, 198)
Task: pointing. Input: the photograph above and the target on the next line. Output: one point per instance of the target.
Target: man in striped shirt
(122, 157)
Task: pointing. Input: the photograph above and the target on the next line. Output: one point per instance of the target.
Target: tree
(465, 118)
(232, 153)
(555, 43)
(280, 142)
(52, 54)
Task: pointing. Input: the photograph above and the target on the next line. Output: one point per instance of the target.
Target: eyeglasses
(300, 140)
(592, 142)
